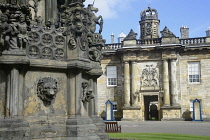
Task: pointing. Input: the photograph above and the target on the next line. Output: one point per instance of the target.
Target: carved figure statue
(22, 36)
(95, 54)
(47, 89)
(13, 37)
(5, 29)
(15, 21)
(94, 19)
(81, 26)
(87, 92)
(9, 33)
(135, 97)
(154, 74)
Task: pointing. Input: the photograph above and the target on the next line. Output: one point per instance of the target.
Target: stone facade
(155, 71)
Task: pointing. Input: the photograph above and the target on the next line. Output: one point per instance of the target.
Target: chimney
(208, 32)
(184, 32)
(112, 38)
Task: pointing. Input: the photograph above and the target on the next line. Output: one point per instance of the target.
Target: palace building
(157, 77)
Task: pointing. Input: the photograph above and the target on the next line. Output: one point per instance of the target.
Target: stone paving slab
(177, 127)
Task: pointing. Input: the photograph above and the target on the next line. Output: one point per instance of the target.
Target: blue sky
(124, 15)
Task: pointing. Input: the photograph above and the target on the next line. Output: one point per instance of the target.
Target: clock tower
(149, 24)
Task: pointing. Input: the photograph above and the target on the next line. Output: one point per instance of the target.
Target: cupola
(121, 36)
(149, 24)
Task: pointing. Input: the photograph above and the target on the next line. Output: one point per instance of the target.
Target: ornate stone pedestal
(131, 114)
(100, 127)
(79, 128)
(48, 72)
(14, 129)
(171, 113)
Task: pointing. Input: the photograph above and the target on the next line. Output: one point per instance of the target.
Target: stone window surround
(111, 76)
(196, 72)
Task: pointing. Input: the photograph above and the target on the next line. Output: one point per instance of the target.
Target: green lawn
(157, 136)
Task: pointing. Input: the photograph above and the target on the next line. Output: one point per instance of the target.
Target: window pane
(194, 72)
(112, 81)
(114, 107)
(111, 71)
(112, 75)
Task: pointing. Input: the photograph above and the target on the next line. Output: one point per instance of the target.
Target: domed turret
(149, 14)
(121, 37)
(149, 24)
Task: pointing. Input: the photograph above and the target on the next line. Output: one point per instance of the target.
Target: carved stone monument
(150, 78)
(49, 65)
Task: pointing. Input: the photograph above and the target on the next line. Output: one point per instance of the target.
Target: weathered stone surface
(49, 65)
(12, 129)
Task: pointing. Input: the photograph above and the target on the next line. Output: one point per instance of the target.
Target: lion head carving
(47, 90)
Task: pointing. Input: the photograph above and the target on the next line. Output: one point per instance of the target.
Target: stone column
(71, 95)
(50, 10)
(91, 105)
(173, 83)
(2, 93)
(12, 93)
(133, 88)
(79, 104)
(95, 100)
(127, 84)
(21, 91)
(166, 83)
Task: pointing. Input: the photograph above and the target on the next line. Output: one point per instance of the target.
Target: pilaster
(173, 82)
(133, 89)
(166, 83)
(51, 12)
(127, 84)
(12, 93)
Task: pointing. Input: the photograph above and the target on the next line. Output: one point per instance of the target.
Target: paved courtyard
(179, 127)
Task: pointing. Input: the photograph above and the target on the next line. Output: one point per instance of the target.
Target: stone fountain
(50, 56)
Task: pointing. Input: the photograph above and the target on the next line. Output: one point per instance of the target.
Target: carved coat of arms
(150, 77)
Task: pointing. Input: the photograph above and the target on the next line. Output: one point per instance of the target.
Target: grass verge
(157, 136)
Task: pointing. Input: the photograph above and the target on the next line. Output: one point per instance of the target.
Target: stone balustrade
(190, 41)
(149, 41)
(158, 41)
(113, 46)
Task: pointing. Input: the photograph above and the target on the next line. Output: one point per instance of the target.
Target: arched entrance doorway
(151, 107)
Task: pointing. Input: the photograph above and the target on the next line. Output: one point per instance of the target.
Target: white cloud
(109, 8)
